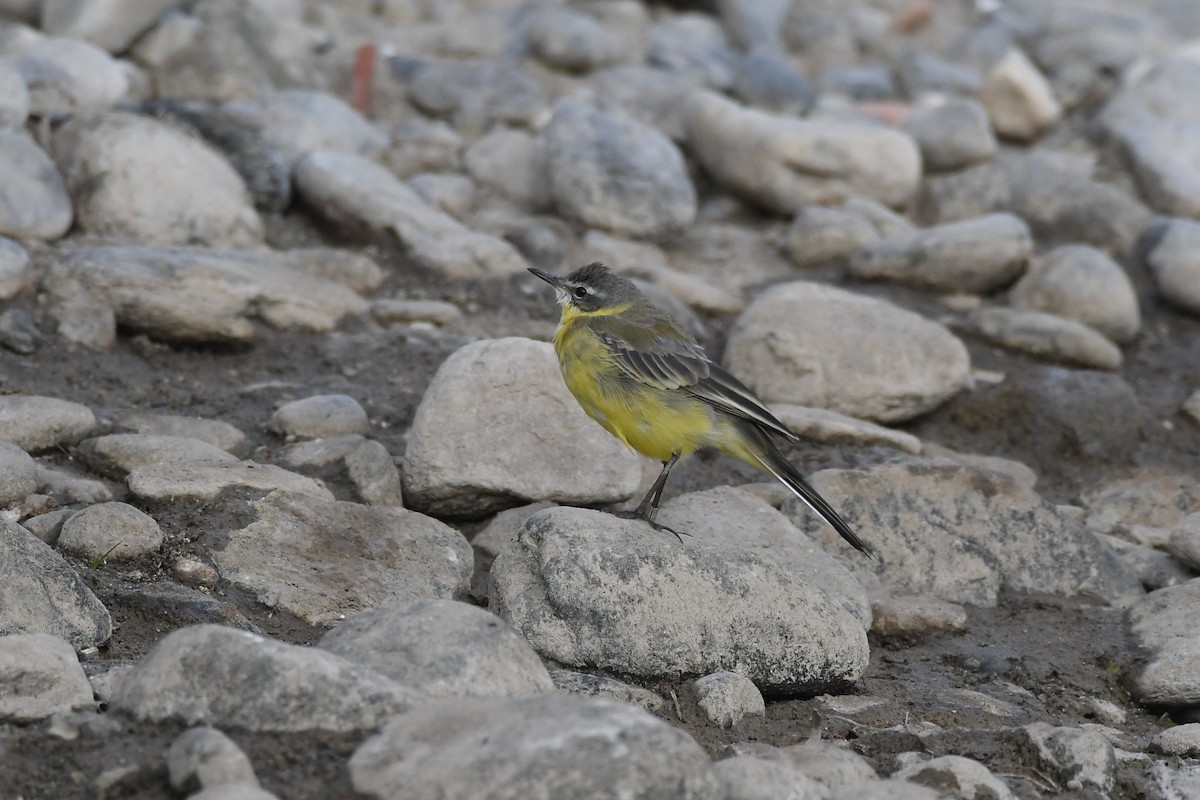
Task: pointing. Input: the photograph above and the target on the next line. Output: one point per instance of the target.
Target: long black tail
(770, 459)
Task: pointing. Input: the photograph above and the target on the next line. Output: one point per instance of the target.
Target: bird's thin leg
(648, 508)
(655, 493)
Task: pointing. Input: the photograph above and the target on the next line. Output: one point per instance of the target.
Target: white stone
(41, 677)
(319, 417)
(727, 698)
(36, 423)
(542, 446)
(810, 344)
(1018, 98)
(1047, 335)
(1083, 284)
(115, 531)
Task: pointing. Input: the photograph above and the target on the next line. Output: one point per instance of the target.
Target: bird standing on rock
(648, 383)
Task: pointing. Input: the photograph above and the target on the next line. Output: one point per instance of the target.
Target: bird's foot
(644, 517)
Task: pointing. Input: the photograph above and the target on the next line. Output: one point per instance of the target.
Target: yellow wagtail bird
(638, 374)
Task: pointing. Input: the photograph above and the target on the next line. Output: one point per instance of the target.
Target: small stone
(115, 531)
(296, 121)
(1184, 542)
(609, 171)
(118, 454)
(819, 235)
(445, 191)
(41, 677)
(321, 452)
(952, 134)
(18, 474)
(1154, 568)
(902, 616)
(1081, 283)
(319, 417)
(194, 573)
(513, 389)
(205, 758)
(785, 164)
(513, 163)
(373, 473)
(215, 432)
(14, 269)
(1182, 741)
(1155, 497)
(1079, 759)
(66, 76)
(809, 344)
(823, 425)
(571, 41)
(358, 272)
(922, 73)
(48, 526)
(976, 256)
(41, 593)
(113, 27)
(580, 683)
(36, 423)
(692, 46)
(1174, 261)
(401, 312)
(351, 186)
(137, 178)
(1019, 100)
(727, 698)
(1047, 335)
(767, 81)
(442, 648)
(477, 95)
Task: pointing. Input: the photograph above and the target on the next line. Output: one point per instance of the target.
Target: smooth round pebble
(111, 531)
(319, 417)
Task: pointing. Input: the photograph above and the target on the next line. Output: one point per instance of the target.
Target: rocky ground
(296, 505)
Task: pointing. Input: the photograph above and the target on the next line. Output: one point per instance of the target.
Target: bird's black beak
(553, 280)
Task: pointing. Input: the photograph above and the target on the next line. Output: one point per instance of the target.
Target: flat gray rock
(207, 478)
(1153, 496)
(612, 172)
(1184, 541)
(321, 560)
(1083, 284)
(112, 26)
(191, 294)
(442, 648)
(785, 164)
(960, 534)
(115, 531)
(117, 454)
(35, 423)
(814, 345)
(542, 445)
(1181, 740)
(355, 187)
(213, 431)
(545, 746)
(212, 675)
(589, 589)
(971, 778)
(733, 517)
(571, 41)
(42, 594)
(973, 256)
(41, 677)
(295, 121)
(1047, 336)
(823, 425)
(372, 470)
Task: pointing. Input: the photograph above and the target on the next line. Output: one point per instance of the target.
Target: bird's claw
(644, 517)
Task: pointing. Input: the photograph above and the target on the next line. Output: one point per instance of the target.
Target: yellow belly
(654, 422)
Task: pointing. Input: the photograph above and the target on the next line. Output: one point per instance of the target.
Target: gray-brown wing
(682, 365)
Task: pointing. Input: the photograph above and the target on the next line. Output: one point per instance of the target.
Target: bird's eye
(581, 291)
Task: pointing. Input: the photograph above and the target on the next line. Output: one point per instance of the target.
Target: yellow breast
(655, 422)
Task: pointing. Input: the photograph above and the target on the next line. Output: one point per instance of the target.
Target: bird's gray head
(591, 288)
